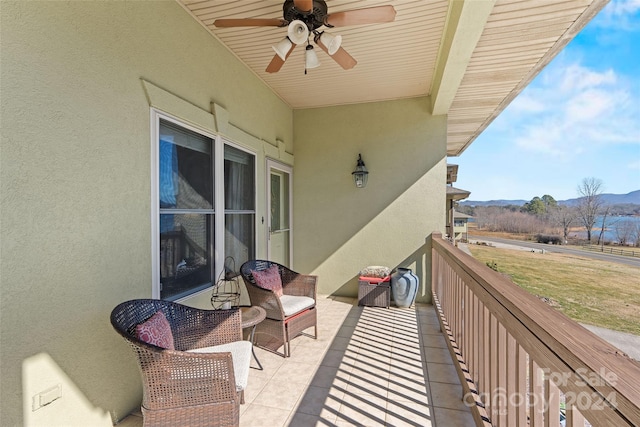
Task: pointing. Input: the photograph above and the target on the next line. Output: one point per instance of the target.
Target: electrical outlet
(46, 397)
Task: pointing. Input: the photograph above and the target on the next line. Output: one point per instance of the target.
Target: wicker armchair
(201, 382)
(287, 316)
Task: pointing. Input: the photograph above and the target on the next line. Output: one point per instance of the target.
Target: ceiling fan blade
(277, 62)
(343, 59)
(369, 15)
(250, 22)
(303, 5)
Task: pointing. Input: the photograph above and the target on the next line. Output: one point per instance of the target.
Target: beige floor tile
(295, 372)
(332, 314)
(278, 394)
(452, 418)
(380, 336)
(401, 414)
(321, 402)
(319, 345)
(261, 416)
(343, 343)
(351, 321)
(334, 358)
(430, 328)
(374, 350)
(304, 420)
(350, 356)
(359, 338)
(428, 318)
(442, 373)
(331, 377)
(448, 396)
(437, 355)
(338, 299)
(408, 386)
(345, 331)
(254, 387)
(270, 363)
(407, 355)
(407, 367)
(308, 355)
(243, 408)
(369, 360)
(404, 339)
(381, 327)
(362, 409)
(366, 379)
(434, 340)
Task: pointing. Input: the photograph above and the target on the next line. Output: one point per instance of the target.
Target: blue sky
(579, 118)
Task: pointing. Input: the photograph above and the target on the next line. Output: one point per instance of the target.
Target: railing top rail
(578, 348)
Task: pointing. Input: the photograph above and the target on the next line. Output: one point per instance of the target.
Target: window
(239, 204)
(189, 257)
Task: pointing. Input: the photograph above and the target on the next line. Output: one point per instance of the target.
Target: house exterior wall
(460, 231)
(78, 80)
(338, 228)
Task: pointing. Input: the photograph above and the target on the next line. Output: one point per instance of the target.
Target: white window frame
(219, 208)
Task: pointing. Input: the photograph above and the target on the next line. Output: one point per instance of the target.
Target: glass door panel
(279, 245)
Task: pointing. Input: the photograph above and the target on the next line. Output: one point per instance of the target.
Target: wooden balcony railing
(519, 360)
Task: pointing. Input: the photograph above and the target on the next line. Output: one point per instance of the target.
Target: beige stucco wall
(338, 228)
(76, 185)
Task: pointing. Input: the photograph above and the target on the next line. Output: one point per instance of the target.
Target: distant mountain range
(632, 198)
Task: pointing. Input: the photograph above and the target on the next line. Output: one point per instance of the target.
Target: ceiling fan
(305, 18)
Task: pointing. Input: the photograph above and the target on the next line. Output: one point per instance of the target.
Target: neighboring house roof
(470, 57)
(460, 215)
(452, 173)
(456, 193)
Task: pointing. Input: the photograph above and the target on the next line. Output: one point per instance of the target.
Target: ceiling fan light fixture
(283, 47)
(331, 42)
(310, 58)
(298, 32)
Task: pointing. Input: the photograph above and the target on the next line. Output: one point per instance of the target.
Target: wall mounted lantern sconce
(360, 174)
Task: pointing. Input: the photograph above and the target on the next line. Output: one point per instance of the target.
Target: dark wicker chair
(183, 388)
(282, 323)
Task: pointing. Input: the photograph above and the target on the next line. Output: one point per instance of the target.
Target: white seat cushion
(241, 355)
(292, 304)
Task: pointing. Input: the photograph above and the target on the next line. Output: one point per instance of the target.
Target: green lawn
(588, 291)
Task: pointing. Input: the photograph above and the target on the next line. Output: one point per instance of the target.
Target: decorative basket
(374, 286)
(226, 291)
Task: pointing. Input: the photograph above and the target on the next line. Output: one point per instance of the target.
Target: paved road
(561, 249)
(628, 343)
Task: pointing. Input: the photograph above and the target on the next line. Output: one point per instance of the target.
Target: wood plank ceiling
(414, 55)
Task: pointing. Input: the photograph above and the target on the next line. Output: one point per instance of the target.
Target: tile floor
(369, 366)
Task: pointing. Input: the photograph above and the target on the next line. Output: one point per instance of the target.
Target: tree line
(552, 222)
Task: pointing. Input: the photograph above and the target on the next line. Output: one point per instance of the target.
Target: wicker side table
(372, 294)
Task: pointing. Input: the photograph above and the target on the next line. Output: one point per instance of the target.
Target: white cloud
(583, 109)
(619, 14)
(623, 7)
(527, 104)
(576, 77)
